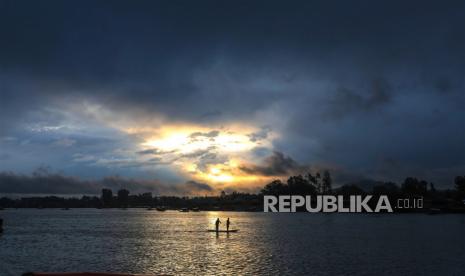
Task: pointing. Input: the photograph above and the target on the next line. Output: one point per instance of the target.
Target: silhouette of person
(227, 225)
(217, 225)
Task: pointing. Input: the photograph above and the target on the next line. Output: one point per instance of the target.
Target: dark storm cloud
(346, 100)
(149, 54)
(196, 186)
(42, 181)
(355, 83)
(274, 165)
(140, 186)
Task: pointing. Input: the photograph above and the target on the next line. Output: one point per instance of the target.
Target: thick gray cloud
(169, 58)
(346, 101)
(275, 165)
(210, 134)
(376, 89)
(198, 187)
(261, 134)
(42, 181)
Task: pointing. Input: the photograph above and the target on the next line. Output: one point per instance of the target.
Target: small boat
(195, 209)
(223, 231)
(184, 210)
(161, 208)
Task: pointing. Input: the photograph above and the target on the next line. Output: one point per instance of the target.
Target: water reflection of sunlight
(173, 243)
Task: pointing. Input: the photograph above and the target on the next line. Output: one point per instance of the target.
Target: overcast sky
(201, 95)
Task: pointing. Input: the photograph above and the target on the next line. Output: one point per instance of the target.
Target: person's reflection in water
(227, 225)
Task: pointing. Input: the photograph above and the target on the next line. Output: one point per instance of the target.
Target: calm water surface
(141, 241)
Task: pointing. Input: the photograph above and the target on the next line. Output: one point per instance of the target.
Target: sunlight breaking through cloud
(213, 155)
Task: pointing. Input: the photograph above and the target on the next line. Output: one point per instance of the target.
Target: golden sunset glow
(194, 139)
(211, 155)
(226, 173)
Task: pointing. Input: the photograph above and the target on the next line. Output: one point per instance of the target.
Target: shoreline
(428, 211)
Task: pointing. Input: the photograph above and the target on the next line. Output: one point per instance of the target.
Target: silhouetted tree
(275, 187)
(326, 183)
(312, 180)
(318, 183)
(413, 186)
(298, 185)
(432, 189)
(315, 181)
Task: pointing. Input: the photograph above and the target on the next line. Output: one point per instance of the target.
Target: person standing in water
(217, 224)
(227, 225)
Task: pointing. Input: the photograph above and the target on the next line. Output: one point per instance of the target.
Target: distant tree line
(301, 185)
(316, 184)
(308, 184)
(123, 199)
(447, 200)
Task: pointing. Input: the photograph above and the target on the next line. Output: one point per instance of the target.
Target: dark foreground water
(141, 241)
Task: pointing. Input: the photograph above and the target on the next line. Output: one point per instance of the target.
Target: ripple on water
(139, 241)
